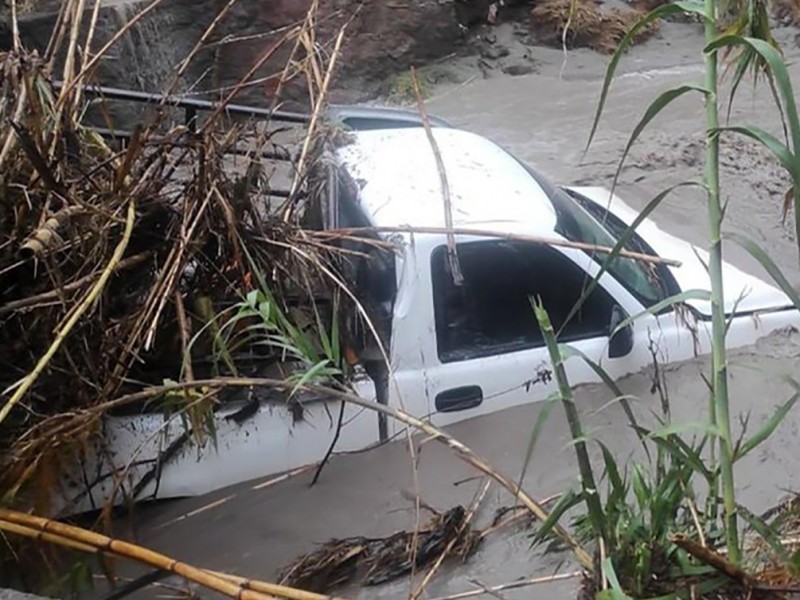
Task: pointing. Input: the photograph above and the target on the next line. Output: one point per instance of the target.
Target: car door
(487, 352)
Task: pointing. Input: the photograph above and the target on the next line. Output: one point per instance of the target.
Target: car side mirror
(621, 342)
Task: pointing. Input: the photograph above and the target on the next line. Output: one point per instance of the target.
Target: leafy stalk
(720, 412)
(591, 494)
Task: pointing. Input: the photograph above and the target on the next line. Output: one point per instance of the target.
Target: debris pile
(127, 259)
(586, 24)
(370, 562)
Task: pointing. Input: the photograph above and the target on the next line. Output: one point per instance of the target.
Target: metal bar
(189, 103)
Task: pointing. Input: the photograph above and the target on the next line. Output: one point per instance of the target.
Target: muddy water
(544, 118)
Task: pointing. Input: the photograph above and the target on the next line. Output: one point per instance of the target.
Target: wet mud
(543, 116)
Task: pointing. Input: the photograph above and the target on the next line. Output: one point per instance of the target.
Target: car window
(649, 284)
(491, 313)
(577, 225)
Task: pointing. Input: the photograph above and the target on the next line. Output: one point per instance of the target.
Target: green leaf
(781, 80)
(612, 470)
(615, 593)
(767, 533)
(767, 429)
(675, 428)
(568, 500)
(568, 351)
(664, 10)
(769, 266)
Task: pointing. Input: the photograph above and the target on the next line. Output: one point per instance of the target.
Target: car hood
(744, 294)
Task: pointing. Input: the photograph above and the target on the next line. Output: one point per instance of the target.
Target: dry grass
(585, 24)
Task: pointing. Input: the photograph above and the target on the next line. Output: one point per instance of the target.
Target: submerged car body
(460, 351)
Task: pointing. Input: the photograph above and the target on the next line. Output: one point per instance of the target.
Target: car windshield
(577, 225)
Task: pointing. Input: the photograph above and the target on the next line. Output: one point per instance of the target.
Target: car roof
(400, 183)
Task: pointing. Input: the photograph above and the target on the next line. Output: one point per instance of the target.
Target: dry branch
(532, 239)
(452, 256)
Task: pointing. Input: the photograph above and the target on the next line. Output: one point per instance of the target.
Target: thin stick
(79, 311)
(511, 586)
(533, 239)
(455, 268)
(715, 560)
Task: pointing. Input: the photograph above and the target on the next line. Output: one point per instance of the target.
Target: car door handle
(460, 398)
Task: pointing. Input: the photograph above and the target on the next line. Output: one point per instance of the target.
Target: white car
(458, 352)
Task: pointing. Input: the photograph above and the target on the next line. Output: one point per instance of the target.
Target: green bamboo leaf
(769, 266)
(682, 452)
(776, 66)
(659, 306)
(568, 500)
(664, 10)
(767, 429)
(568, 351)
(767, 533)
(612, 470)
(615, 593)
(676, 428)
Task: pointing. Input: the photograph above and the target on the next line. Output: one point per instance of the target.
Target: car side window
(491, 312)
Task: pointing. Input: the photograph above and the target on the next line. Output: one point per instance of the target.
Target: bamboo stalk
(89, 541)
(14, 305)
(76, 315)
(452, 255)
(719, 415)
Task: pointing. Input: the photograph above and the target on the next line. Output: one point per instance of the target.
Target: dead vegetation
(586, 24)
(119, 258)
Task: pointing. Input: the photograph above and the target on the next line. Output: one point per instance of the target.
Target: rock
(519, 69)
(494, 52)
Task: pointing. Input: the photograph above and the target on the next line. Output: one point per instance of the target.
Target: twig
(89, 541)
(455, 268)
(511, 586)
(79, 311)
(533, 239)
(715, 560)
